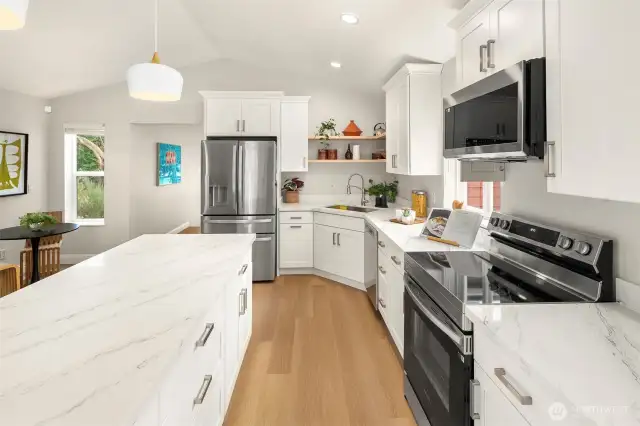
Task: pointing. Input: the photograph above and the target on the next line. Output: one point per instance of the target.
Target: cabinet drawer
(296, 217)
(338, 221)
(391, 251)
(296, 246)
(210, 411)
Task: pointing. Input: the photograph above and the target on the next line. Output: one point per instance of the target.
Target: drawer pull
(381, 244)
(296, 218)
(382, 271)
(243, 270)
(243, 301)
(295, 226)
(381, 300)
(501, 374)
(396, 261)
(204, 388)
(205, 335)
(475, 393)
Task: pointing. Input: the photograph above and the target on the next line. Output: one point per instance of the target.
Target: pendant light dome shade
(154, 82)
(13, 14)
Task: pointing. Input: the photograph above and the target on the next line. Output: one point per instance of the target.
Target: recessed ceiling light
(336, 64)
(350, 18)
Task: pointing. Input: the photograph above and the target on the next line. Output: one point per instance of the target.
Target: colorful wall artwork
(169, 164)
(14, 151)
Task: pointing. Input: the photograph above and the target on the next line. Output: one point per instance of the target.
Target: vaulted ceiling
(74, 45)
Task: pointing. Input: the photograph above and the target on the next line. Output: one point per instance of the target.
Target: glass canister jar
(419, 203)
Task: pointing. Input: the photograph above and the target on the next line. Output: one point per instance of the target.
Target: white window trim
(457, 190)
(71, 173)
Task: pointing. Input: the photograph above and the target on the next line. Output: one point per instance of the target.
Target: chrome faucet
(363, 201)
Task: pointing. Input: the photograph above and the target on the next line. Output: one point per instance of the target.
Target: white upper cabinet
(294, 134)
(414, 120)
(499, 35)
(592, 98)
(242, 113)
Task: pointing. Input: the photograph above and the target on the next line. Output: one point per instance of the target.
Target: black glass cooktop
(481, 278)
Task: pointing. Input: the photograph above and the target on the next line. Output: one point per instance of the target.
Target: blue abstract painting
(169, 164)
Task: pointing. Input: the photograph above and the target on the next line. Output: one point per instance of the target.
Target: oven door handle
(462, 342)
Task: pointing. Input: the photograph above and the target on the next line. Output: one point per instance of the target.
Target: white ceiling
(73, 45)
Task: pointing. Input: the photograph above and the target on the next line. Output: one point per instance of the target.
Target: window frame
(455, 189)
(72, 174)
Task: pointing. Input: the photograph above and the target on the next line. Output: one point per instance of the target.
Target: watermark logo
(558, 411)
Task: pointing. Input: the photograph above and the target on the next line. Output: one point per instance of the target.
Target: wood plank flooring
(318, 356)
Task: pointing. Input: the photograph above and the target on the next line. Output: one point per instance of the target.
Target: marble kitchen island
(150, 332)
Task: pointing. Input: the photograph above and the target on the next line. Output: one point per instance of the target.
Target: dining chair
(49, 262)
(9, 279)
(49, 241)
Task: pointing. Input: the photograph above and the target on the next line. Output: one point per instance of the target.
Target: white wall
(525, 194)
(134, 205)
(25, 114)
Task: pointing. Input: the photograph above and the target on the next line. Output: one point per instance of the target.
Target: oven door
(438, 362)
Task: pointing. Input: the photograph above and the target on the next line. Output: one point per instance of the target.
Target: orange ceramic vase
(352, 129)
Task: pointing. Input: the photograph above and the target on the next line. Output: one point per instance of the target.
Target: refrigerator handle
(240, 177)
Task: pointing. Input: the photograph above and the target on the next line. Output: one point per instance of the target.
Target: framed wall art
(14, 159)
(169, 164)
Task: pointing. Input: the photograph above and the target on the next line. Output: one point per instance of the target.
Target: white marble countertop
(406, 237)
(90, 345)
(587, 355)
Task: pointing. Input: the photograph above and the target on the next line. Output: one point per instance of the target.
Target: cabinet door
(223, 117)
(493, 408)
(260, 117)
(592, 100)
(393, 123)
(517, 28)
(471, 59)
(395, 296)
(350, 254)
(383, 290)
(246, 312)
(403, 153)
(296, 245)
(325, 250)
(294, 137)
(231, 336)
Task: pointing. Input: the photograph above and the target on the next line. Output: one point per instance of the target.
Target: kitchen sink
(353, 208)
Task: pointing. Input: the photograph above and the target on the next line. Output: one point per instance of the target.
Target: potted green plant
(291, 188)
(36, 221)
(384, 192)
(325, 131)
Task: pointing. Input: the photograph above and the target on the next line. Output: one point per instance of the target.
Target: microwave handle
(483, 48)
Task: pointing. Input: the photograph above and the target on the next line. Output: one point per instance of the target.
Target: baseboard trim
(313, 271)
(180, 228)
(72, 259)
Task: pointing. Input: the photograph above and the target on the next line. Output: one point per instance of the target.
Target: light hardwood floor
(318, 356)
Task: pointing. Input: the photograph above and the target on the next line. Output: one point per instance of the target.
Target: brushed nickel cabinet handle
(382, 270)
(304, 162)
(244, 127)
(483, 48)
(205, 335)
(474, 399)
(381, 244)
(334, 238)
(237, 125)
(547, 159)
(240, 303)
(490, 50)
(243, 270)
(246, 301)
(295, 226)
(396, 261)
(381, 300)
(296, 217)
(338, 239)
(202, 393)
(501, 374)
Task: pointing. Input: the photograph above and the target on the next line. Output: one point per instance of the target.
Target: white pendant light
(153, 81)
(13, 14)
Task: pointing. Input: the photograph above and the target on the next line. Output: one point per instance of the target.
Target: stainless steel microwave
(499, 118)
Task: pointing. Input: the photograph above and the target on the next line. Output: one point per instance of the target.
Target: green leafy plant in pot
(325, 131)
(384, 192)
(291, 188)
(36, 221)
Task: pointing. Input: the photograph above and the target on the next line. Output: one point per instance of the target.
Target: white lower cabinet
(391, 293)
(489, 405)
(339, 251)
(296, 245)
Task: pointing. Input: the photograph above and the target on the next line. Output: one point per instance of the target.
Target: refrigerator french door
(239, 195)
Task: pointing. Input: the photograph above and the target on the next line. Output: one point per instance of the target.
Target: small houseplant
(325, 131)
(291, 188)
(36, 221)
(383, 192)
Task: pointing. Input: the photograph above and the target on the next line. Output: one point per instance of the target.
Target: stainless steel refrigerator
(239, 195)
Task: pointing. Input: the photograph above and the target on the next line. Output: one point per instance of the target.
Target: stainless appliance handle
(474, 399)
(482, 49)
(490, 63)
(243, 270)
(263, 239)
(205, 335)
(334, 238)
(428, 312)
(240, 176)
(547, 160)
(244, 127)
(501, 374)
(238, 221)
(396, 261)
(202, 393)
(338, 239)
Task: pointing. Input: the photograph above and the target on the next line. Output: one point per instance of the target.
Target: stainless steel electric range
(527, 263)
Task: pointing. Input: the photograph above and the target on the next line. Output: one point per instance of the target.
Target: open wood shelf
(347, 161)
(351, 138)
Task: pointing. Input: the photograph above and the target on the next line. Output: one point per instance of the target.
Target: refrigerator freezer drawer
(238, 224)
(264, 257)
